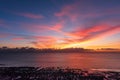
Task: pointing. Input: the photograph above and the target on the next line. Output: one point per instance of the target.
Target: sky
(60, 23)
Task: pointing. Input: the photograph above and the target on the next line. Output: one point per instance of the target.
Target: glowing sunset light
(60, 24)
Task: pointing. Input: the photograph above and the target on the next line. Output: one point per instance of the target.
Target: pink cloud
(93, 33)
(56, 26)
(34, 28)
(78, 10)
(45, 38)
(109, 32)
(81, 35)
(69, 11)
(38, 28)
(89, 30)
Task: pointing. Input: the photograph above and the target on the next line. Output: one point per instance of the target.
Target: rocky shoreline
(52, 73)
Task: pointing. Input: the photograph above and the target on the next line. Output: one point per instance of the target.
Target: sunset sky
(60, 23)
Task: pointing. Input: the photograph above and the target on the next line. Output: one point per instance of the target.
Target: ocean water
(71, 60)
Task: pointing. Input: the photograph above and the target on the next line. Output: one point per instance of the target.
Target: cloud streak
(69, 24)
(80, 36)
(68, 11)
(93, 33)
(81, 10)
(30, 15)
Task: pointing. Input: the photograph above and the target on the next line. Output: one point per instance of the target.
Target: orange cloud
(44, 41)
(91, 34)
(76, 37)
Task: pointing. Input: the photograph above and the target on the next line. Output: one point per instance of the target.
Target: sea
(65, 60)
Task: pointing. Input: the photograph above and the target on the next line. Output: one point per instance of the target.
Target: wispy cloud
(76, 37)
(79, 36)
(68, 11)
(30, 15)
(41, 41)
(95, 32)
(82, 10)
(38, 28)
(56, 26)
(45, 42)
(73, 23)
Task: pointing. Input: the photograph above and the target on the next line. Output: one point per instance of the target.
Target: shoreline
(55, 73)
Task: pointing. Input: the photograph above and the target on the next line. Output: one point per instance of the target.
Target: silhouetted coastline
(52, 50)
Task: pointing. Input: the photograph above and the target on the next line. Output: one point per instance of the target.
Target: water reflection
(77, 60)
(72, 60)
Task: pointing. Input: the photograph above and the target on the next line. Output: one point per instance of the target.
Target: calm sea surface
(72, 60)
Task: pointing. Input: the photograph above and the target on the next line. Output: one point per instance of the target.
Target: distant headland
(53, 50)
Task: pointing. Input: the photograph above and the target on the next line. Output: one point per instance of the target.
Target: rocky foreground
(36, 73)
